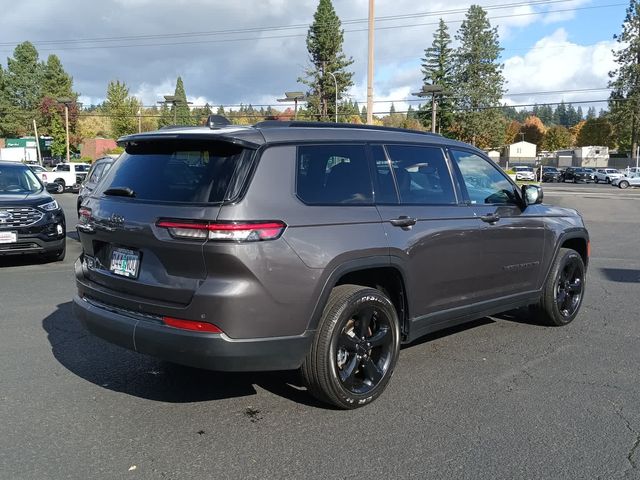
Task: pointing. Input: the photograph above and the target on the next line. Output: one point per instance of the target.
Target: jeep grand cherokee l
(319, 247)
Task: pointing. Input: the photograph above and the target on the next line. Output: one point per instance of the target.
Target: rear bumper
(201, 350)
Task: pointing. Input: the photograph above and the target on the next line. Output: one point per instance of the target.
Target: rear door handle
(403, 222)
(490, 218)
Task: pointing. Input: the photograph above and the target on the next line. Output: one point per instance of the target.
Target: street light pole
(336, 84)
(66, 121)
(433, 90)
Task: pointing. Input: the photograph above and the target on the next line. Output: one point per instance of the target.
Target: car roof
(6, 163)
(273, 132)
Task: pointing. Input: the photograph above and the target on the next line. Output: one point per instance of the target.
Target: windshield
(18, 179)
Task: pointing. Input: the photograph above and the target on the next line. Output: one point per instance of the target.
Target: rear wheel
(355, 349)
(623, 184)
(61, 185)
(563, 291)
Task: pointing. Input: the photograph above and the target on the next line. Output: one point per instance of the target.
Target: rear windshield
(180, 171)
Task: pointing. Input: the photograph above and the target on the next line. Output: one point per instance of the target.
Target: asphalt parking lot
(498, 398)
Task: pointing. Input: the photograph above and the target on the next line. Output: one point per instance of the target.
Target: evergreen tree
(166, 117)
(591, 113)
(560, 116)
(437, 69)
(624, 101)
(478, 81)
(121, 108)
(324, 44)
(411, 113)
(556, 138)
(596, 132)
(180, 110)
(392, 110)
(363, 114)
(579, 115)
(56, 82)
(22, 90)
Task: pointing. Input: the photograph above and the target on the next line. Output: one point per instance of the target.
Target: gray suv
(319, 247)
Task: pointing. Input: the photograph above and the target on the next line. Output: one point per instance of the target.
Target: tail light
(84, 214)
(44, 178)
(192, 325)
(224, 231)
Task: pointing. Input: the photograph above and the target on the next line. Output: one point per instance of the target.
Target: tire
(623, 184)
(563, 291)
(596, 180)
(342, 367)
(608, 180)
(61, 185)
(575, 180)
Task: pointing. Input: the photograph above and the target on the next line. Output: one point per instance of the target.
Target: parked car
(576, 174)
(322, 247)
(525, 173)
(31, 222)
(631, 170)
(549, 174)
(68, 175)
(40, 172)
(95, 173)
(607, 175)
(633, 180)
(591, 172)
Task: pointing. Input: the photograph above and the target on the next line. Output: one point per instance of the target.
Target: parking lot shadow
(622, 275)
(121, 370)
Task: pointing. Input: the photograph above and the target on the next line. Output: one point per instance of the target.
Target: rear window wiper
(120, 192)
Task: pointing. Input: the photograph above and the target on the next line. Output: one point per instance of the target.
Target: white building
(520, 152)
(590, 157)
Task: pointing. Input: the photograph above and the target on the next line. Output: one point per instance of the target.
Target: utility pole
(139, 119)
(66, 122)
(434, 105)
(370, 64)
(35, 130)
(336, 84)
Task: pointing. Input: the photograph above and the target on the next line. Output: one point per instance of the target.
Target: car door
(430, 230)
(511, 238)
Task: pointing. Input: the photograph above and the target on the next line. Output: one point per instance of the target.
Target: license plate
(8, 237)
(125, 262)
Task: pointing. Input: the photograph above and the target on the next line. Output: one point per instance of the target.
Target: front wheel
(623, 184)
(355, 349)
(596, 180)
(60, 185)
(564, 290)
(608, 180)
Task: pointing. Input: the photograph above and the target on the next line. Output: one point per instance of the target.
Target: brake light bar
(192, 325)
(224, 231)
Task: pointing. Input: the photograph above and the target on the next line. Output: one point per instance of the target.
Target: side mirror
(532, 194)
(51, 187)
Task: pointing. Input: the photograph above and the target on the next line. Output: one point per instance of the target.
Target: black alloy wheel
(363, 350)
(569, 287)
(563, 291)
(355, 348)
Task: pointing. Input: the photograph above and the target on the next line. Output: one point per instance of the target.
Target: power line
(271, 37)
(289, 27)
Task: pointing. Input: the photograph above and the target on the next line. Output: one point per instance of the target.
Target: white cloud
(557, 64)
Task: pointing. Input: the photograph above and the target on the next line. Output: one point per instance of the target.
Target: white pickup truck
(66, 175)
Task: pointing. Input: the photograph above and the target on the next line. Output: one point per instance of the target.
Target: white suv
(524, 173)
(607, 175)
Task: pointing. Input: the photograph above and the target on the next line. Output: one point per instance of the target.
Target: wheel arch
(377, 272)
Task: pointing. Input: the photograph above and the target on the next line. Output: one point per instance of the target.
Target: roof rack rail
(301, 124)
(170, 127)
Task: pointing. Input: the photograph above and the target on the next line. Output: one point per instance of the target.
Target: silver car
(633, 180)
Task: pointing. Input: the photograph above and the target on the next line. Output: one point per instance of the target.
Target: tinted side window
(385, 184)
(63, 168)
(485, 184)
(421, 175)
(95, 174)
(328, 174)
